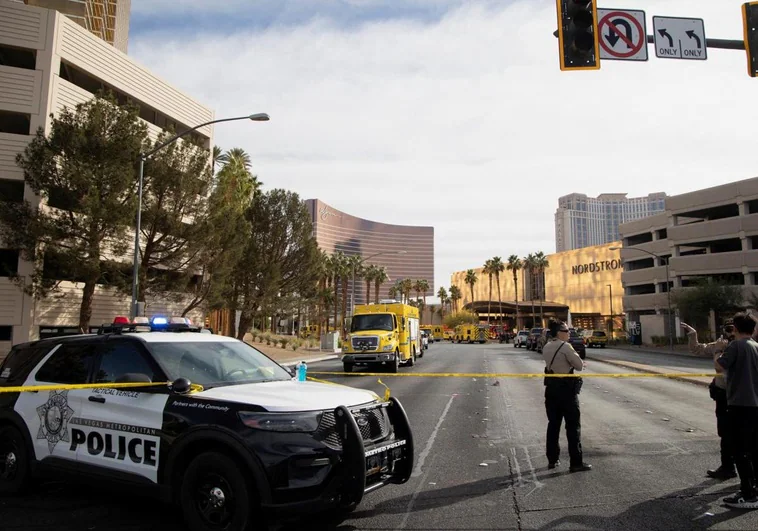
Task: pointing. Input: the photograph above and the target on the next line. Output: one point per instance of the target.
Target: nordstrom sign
(594, 267)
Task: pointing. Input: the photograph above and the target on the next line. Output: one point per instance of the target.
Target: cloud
(464, 121)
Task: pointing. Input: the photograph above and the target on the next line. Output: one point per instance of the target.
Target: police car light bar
(159, 320)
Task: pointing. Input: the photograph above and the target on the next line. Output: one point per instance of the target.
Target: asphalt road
(650, 441)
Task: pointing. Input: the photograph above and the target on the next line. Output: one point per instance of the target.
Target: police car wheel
(347, 367)
(215, 494)
(14, 462)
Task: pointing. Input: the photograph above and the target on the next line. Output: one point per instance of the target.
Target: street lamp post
(668, 289)
(352, 290)
(259, 117)
(610, 300)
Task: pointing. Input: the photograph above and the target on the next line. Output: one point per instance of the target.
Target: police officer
(562, 397)
(717, 390)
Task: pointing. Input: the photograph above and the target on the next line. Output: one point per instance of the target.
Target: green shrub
(283, 341)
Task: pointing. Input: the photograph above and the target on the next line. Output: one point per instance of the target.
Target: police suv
(218, 428)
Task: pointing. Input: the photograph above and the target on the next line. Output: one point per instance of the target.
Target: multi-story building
(47, 62)
(338, 231)
(582, 221)
(106, 19)
(582, 286)
(710, 233)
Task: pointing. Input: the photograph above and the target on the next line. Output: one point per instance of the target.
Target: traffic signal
(578, 35)
(750, 23)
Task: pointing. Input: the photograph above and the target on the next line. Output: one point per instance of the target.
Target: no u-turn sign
(622, 34)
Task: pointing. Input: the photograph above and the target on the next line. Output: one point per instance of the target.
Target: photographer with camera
(717, 390)
(562, 397)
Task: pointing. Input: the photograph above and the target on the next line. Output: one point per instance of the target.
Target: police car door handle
(98, 399)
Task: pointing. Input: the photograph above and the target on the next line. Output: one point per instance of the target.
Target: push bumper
(360, 468)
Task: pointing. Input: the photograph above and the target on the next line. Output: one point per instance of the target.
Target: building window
(638, 239)
(751, 207)
(644, 289)
(6, 333)
(634, 265)
(8, 262)
(727, 246)
(662, 234)
(15, 123)
(11, 191)
(18, 57)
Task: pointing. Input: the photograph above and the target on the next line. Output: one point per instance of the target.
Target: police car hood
(291, 395)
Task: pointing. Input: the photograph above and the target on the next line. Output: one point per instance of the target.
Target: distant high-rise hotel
(106, 19)
(582, 221)
(338, 231)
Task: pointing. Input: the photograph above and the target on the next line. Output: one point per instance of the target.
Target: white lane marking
(416, 492)
(425, 452)
(520, 480)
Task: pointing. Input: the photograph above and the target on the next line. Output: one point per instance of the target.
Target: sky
(454, 113)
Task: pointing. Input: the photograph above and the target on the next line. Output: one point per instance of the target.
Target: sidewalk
(291, 357)
(679, 350)
(657, 362)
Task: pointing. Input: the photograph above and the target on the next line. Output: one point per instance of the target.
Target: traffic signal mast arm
(724, 44)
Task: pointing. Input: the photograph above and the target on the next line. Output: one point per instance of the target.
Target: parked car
(577, 341)
(520, 339)
(595, 338)
(531, 340)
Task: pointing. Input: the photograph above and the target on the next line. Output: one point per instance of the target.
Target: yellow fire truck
(385, 334)
(470, 333)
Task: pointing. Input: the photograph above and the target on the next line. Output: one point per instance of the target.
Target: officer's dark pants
(722, 428)
(743, 424)
(562, 402)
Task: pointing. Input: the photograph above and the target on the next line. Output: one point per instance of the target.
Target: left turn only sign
(622, 34)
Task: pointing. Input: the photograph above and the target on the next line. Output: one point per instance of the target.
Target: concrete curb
(293, 362)
(680, 353)
(647, 368)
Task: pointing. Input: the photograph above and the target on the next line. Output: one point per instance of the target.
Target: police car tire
(241, 491)
(11, 438)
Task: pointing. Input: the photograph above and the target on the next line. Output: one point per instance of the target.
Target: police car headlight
(285, 422)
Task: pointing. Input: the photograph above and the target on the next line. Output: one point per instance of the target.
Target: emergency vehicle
(214, 425)
(436, 332)
(385, 335)
(471, 333)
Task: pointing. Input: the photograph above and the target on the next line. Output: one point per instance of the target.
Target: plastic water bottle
(302, 370)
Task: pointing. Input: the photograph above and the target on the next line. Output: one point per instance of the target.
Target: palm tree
(530, 265)
(339, 272)
(498, 267)
(470, 280)
(355, 265)
(368, 276)
(406, 287)
(541, 263)
(515, 265)
(392, 292)
(487, 270)
(455, 296)
(421, 287)
(380, 277)
(442, 294)
(350, 264)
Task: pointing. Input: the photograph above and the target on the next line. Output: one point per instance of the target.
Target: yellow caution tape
(521, 375)
(194, 388)
(386, 390)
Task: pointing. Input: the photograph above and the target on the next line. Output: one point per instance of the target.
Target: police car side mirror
(181, 386)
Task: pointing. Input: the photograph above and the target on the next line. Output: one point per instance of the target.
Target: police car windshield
(379, 321)
(214, 364)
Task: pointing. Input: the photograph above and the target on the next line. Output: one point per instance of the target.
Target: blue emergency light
(159, 321)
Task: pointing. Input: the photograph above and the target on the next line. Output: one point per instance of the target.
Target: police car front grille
(375, 428)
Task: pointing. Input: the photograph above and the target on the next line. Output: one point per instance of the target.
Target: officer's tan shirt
(564, 360)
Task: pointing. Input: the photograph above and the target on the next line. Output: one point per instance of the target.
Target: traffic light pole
(723, 44)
